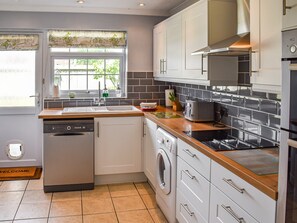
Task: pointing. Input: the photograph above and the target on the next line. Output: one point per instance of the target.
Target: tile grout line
(48, 215)
(20, 202)
(112, 203)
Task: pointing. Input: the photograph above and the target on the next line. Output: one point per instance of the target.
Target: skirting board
(120, 178)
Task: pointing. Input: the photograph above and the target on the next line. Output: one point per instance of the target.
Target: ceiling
(152, 7)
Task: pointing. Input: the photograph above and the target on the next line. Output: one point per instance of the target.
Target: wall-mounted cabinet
(265, 28)
(194, 28)
(290, 14)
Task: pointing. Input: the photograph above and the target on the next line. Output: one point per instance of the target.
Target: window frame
(91, 55)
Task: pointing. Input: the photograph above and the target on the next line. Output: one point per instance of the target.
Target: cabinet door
(159, 49)
(173, 47)
(150, 151)
(290, 17)
(266, 45)
(118, 143)
(194, 35)
(224, 210)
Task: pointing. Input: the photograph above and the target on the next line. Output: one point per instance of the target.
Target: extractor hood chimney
(235, 45)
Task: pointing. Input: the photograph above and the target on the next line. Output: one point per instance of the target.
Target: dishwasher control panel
(71, 126)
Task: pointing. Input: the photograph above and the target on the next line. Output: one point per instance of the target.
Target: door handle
(189, 174)
(255, 63)
(37, 95)
(292, 143)
(185, 206)
(202, 66)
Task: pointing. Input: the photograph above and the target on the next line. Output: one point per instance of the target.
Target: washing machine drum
(163, 172)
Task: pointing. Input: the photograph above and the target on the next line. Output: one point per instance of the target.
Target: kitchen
(154, 56)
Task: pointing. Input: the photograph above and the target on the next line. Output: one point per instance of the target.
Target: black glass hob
(223, 140)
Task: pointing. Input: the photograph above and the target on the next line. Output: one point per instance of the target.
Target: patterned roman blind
(86, 39)
(19, 42)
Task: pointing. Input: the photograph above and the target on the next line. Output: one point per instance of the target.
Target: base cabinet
(118, 145)
(150, 150)
(224, 210)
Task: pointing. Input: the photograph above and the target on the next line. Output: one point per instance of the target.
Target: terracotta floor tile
(70, 219)
(36, 196)
(149, 201)
(98, 192)
(64, 196)
(33, 210)
(138, 216)
(8, 210)
(65, 208)
(144, 188)
(15, 185)
(11, 197)
(35, 184)
(40, 220)
(121, 190)
(96, 206)
(128, 203)
(104, 218)
(157, 215)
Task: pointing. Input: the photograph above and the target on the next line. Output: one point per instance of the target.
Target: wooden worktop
(56, 113)
(265, 183)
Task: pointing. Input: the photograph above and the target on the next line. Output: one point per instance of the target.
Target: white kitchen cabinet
(224, 210)
(250, 199)
(150, 150)
(159, 39)
(118, 145)
(265, 33)
(194, 28)
(173, 46)
(290, 15)
(193, 186)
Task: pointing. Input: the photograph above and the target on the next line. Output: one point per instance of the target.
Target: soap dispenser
(105, 92)
(118, 91)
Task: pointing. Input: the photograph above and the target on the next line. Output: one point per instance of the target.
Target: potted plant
(176, 106)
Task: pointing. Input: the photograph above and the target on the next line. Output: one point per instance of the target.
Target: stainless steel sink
(100, 109)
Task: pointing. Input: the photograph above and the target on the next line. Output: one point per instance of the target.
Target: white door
(20, 95)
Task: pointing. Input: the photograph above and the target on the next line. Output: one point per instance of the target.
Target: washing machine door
(163, 172)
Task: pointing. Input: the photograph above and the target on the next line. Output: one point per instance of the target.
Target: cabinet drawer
(194, 187)
(194, 158)
(185, 211)
(252, 200)
(224, 210)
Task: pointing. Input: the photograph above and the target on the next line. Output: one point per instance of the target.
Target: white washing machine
(166, 173)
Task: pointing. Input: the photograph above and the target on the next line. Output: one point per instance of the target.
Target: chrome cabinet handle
(255, 60)
(185, 206)
(189, 174)
(164, 66)
(143, 129)
(285, 7)
(202, 66)
(231, 183)
(292, 143)
(98, 129)
(189, 153)
(160, 66)
(232, 213)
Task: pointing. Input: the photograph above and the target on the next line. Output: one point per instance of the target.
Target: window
(19, 63)
(80, 67)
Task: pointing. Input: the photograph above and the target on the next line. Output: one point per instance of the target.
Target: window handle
(37, 95)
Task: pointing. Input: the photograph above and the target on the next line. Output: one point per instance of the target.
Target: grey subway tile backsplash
(268, 106)
(238, 101)
(237, 123)
(274, 121)
(260, 117)
(252, 103)
(269, 133)
(251, 127)
(244, 114)
(141, 86)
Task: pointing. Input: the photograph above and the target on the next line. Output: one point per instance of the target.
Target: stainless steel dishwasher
(68, 156)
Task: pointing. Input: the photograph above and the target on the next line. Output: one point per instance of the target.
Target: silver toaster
(199, 111)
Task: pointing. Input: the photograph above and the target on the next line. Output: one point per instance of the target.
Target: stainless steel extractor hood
(235, 45)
